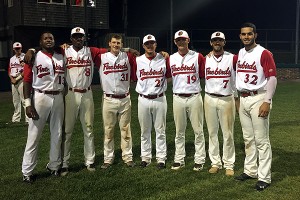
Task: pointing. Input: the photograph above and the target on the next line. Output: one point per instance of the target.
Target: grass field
(120, 182)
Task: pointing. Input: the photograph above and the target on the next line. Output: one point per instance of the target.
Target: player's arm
(235, 92)
(27, 88)
(269, 67)
(134, 52)
(133, 67)
(12, 79)
(168, 71)
(201, 64)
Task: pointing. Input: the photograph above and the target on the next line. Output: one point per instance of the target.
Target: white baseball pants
(256, 138)
(18, 101)
(153, 110)
(82, 105)
(220, 110)
(192, 108)
(47, 106)
(117, 110)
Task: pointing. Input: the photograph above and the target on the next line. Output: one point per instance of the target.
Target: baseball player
(15, 73)
(187, 67)
(46, 78)
(219, 105)
(79, 99)
(256, 81)
(152, 104)
(115, 75)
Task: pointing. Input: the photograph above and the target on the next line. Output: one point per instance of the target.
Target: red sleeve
(234, 61)
(168, 73)
(268, 64)
(8, 69)
(27, 73)
(201, 63)
(132, 62)
(96, 55)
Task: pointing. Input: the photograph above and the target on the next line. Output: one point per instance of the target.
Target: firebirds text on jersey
(184, 69)
(114, 68)
(151, 74)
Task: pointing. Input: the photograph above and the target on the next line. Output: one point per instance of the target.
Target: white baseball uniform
(47, 76)
(15, 68)
(253, 69)
(219, 107)
(187, 102)
(79, 100)
(115, 73)
(152, 105)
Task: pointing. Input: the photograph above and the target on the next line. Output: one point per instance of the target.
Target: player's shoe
(261, 185)
(130, 164)
(64, 171)
(91, 167)
(53, 172)
(161, 165)
(198, 167)
(144, 164)
(214, 170)
(177, 166)
(28, 179)
(229, 172)
(105, 165)
(243, 177)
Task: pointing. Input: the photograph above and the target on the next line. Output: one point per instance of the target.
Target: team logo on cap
(149, 37)
(218, 34)
(77, 29)
(180, 33)
(17, 44)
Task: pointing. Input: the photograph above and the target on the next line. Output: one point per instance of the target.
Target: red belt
(185, 95)
(218, 95)
(49, 92)
(247, 94)
(117, 96)
(80, 90)
(152, 96)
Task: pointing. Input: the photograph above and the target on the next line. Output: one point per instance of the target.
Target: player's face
(115, 45)
(217, 44)
(182, 43)
(18, 50)
(150, 47)
(77, 40)
(47, 41)
(248, 37)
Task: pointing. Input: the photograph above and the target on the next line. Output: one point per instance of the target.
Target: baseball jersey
(253, 68)
(115, 72)
(186, 72)
(150, 73)
(220, 74)
(47, 72)
(15, 67)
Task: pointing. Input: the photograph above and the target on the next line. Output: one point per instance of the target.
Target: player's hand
(264, 110)
(134, 52)
(237, 104)
(64, 46)
(210, 54)
(13, 81)
(29, 57)
(31, 113)
(164, 54)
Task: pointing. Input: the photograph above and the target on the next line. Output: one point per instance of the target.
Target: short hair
(249, 24)
(117, 36)
(45, 32)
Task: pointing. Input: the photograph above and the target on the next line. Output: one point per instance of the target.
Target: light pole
(297, 32)
(86, 25)
(171, 26)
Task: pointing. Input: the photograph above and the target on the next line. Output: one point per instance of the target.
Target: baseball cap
(181, 34)
(17, 45)
(77, 30)
(218, 34)
(148, 37)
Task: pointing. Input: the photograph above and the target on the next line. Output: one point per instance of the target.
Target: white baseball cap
(148, 37)
(181, 34)
(218, 34)
(77, 30)
(17, 45)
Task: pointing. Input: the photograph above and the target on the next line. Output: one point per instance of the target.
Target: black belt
(153, 96)
(117, 96)
(80, 90)
(247, 94)
(185, 95)
(218, 95)
(49, 92)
